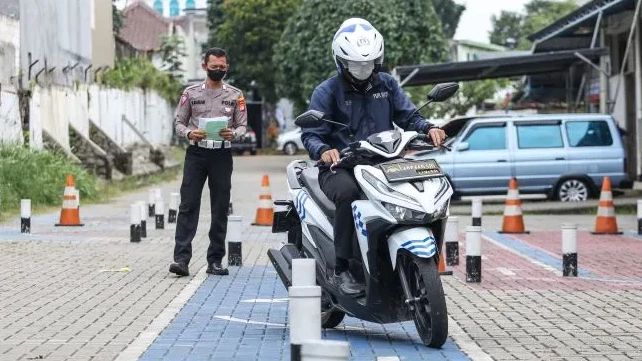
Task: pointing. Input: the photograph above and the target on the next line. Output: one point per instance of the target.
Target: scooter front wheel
(428, 300)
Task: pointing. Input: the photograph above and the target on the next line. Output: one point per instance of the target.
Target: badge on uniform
(184, 98)
(228, 109)
(241, 103)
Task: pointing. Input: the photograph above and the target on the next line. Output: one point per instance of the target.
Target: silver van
(562, 155)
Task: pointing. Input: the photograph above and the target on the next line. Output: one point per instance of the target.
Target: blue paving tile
(197, 334)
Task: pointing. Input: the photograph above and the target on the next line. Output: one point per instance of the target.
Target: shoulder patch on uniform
(241, 103)
(184, 98)
(193, 86)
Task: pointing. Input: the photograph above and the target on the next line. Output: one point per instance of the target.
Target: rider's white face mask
(361, 70)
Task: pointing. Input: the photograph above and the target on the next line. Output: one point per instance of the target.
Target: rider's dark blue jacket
(366, 113)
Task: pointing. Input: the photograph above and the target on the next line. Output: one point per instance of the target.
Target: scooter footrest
(283, 269)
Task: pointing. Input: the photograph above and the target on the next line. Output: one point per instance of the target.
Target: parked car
(562, 155)
(246, 143)
(289, 142)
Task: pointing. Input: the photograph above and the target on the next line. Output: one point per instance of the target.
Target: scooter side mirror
(441, 92)
(310, 119)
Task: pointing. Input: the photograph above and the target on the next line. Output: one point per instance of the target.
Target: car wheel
(290, 148)
(573, 190)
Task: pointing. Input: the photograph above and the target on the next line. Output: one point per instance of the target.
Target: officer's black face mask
(216, 75)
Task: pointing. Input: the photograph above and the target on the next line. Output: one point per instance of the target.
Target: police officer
(207, 159)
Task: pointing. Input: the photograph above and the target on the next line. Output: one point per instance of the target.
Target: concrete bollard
(640, 216)
(477, 212)
(25, 216)
(473, 254)
(325, 350)
(451, 238)
(134, 222)
(143, 219)
(234, 249)
(151, 199)
(159, 209)
(174, 201)
(569, 250)
(304, 308)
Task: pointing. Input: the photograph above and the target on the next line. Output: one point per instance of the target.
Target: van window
(487, 138)
(593, 133)
(539, 136)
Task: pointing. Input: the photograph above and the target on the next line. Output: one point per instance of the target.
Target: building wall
(9, 49)
(54, 108)
(103, 46)
(57, 33)
(10, 125)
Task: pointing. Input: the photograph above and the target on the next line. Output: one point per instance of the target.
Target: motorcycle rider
(367, 101)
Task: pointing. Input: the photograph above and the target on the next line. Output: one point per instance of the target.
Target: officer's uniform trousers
(215, 165)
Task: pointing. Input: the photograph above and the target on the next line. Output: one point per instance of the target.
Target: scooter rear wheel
(430, 313)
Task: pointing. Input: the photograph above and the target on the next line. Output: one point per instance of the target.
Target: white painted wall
(10, 128)
(9, 49)
(55, 108)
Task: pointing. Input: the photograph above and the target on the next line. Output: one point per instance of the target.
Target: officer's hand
(437, 135)
(331, 156)
(197, 135)
(226, 134)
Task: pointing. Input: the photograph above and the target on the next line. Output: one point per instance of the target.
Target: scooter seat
(310, 178)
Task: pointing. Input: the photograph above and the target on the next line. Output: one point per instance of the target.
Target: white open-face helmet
(358, 48)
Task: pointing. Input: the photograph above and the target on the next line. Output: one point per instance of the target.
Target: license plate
(411, 170)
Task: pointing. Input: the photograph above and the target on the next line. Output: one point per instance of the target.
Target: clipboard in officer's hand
(213, 126)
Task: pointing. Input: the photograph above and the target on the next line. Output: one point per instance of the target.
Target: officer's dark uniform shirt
(199, 101)
(365, 113)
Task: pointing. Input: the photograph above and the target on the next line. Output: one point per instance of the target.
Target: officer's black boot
(216, 268)
(180, 269)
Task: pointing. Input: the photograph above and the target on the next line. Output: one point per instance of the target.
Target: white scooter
(399, 224)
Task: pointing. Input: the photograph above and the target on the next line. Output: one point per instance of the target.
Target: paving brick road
(65, 294)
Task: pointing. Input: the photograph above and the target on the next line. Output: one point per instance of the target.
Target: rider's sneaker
(347, 284)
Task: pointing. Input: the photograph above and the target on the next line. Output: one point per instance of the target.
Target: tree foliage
(248, 32)
(303, 56)
(214, 20)
(172, 50)
(117, 18)
(537, 15)
(449, 12)
(139, 72)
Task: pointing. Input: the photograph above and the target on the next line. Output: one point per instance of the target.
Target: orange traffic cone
(513, 221)
(265, 211)
(606, 223)
(70, 213)
(441, 267)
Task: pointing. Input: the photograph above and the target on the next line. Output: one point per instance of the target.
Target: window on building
(487, 138)
(594, 133)
(531, 136)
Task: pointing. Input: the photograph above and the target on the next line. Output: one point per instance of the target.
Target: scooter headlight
(403, 214)
(385, 189)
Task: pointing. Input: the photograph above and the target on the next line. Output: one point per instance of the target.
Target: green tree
(117, 18)
(172, 51)
(449, 12)
(537, 15)
(303, 56)
(508, 25)
(214, 20)
(248, 33)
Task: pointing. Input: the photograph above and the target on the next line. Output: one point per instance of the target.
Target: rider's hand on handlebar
(437, 136)
(331, 156)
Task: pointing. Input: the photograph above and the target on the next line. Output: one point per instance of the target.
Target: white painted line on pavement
(505, 271)
(511, 250)
(240, 320)
(145, 338)
(465, 343)
(388, 358)
(266, 300)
